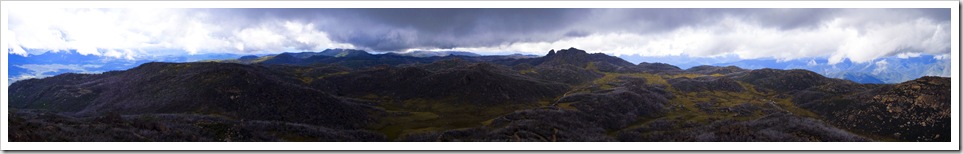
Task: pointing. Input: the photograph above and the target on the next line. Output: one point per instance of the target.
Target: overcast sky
(856, 34)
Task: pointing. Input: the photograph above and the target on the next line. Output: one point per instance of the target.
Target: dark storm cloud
(399, 29)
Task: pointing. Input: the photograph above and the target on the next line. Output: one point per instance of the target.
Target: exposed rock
(917, 110)
(706, 84)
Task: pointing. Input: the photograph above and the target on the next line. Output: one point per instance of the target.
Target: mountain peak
(344, 52)
(572, 51)
(580, 58)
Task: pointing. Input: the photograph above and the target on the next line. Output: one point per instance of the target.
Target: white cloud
(119, 32)
(129, 54)
(306, 35)
(113, 53)
(880, 66)
(15, 47)
(908, 55)
(22, 77)
(941, 57)
(283, 36)
(260, 38)
(86, 50)
(879, 40)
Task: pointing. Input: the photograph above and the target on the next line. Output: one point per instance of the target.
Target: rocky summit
(569, 95)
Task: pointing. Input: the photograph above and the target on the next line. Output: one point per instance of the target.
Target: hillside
(566, 95)
(232, 90)
(52, 63)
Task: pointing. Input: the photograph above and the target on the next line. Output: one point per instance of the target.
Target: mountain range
(565, 95)
(883, 70)
(893, 69)
(70, 61)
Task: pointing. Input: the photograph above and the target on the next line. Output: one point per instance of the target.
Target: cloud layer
(135, 32)
(860, 35)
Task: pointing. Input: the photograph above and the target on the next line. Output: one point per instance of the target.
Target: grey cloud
(399, 29)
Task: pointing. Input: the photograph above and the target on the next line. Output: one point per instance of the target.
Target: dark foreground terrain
(568, 95)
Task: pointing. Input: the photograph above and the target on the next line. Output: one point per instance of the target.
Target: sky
(859, 35)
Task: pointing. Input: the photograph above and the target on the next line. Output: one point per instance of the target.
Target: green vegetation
(424, 115)
(528, 71)
(612, 80)
(685, 106)
(687, 75)
(262, 59)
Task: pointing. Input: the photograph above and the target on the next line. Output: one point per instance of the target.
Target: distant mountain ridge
(437, 53)
(884, 70)
(58, 62)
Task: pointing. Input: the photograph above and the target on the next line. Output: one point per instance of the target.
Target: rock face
(916, 110)
(923, 104)
(577, 58)
(619, 107)
(566, 95)
(580, 58)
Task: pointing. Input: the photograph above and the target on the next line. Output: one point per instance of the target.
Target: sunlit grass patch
(684, 105)
(333, 74)
(262, 59)
(567, 106)
(687, 75)
(428, 115)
